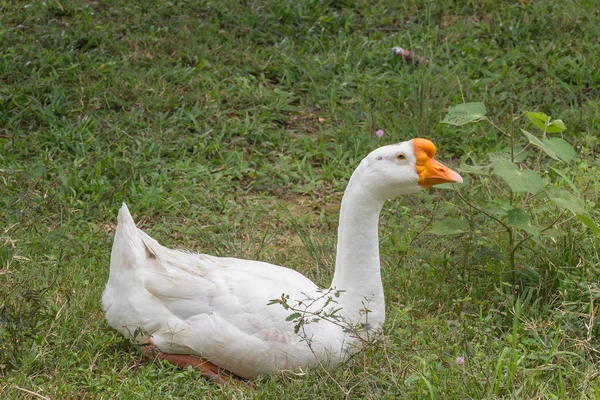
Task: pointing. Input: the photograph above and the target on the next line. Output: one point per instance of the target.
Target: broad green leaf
(542, 121)
(520, 155)
(561, 148)
(453, 186)
(449, 226)
(518, 218)
(566, 200)
(538, 119)
(519, 180)
(555, 126)
(538, 143)
(587, 221)
(474, 169)
(465, 113)
(497, 209)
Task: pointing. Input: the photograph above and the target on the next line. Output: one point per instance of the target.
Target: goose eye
(401, 157)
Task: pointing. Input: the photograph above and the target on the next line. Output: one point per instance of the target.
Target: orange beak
(431, 172)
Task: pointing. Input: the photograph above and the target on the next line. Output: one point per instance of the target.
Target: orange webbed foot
(207, 369)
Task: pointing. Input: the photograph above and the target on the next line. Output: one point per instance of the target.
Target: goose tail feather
(128, 244)
(124, 216)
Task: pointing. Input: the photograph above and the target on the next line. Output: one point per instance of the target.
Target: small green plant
(533, 195)
(323, 307)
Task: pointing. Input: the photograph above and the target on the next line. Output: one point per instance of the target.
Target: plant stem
(497, 127)
(522, 151)
(511, 239)
(512, 248)
(529, 236)
(509, 230)
(512, 148)
(481, 211)
(511, 198)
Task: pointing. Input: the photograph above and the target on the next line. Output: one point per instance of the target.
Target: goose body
(217, 308)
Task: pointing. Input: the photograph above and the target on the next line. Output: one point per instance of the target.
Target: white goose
(211, 313)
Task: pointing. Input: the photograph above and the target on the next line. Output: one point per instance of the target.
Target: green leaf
(519, 219)
(538, 119)
(561, 148)
(556, 126)
(538, 143)
(566, 200)
(299, 325)
(542, 121)
(587, 221)
(293, 316)
(449, 226)
(474, 169)
(465, 113)
(497, 209)
(518, 180)
(453, 186)
(520, 154)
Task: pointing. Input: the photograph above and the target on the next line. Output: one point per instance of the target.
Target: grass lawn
(231, 128)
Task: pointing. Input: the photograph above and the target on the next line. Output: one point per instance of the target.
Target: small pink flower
(379, 133)
(460, 360)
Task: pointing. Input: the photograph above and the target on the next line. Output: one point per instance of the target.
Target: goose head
(404, 168)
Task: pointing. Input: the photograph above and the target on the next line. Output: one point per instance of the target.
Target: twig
(482, 211)
(462, 95)
(522, 151)
(387, 357)
(497, 127)
(39, 396)
(300, 317)
(529, 236)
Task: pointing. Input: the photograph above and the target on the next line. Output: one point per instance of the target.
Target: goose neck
(357, 269)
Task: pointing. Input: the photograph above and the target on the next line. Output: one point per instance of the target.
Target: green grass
(231, 128)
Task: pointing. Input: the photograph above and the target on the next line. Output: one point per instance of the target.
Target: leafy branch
(303, 315)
